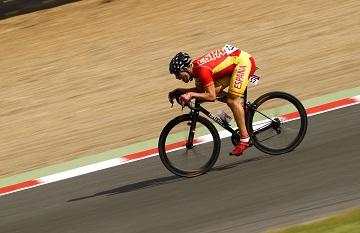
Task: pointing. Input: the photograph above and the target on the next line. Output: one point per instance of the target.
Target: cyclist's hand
(172, 94)
(184, 99)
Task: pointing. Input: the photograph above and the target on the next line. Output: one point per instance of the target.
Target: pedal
(251, 143)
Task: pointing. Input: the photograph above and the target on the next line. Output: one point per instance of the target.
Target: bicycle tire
(291, 118)
(189, 162)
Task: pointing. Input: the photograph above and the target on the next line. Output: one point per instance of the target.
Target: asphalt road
(252, 193)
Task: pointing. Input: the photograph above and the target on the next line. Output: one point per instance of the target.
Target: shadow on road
(166, 180)
(136, 186)
(234, 164)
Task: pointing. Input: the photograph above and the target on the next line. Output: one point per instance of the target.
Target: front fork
(190, 141)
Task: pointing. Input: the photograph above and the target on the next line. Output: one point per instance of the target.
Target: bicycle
(189, 145)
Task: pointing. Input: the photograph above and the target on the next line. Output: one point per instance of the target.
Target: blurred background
(9, 8)
(92, 75)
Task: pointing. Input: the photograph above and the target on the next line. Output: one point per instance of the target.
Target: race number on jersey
(230, 49)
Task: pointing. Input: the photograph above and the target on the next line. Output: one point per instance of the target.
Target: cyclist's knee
(233, 100)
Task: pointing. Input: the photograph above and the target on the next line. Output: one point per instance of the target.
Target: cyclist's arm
(209, 95)
(184, 90)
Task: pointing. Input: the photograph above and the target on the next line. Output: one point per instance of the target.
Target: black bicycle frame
(198, 108)
(195, 113)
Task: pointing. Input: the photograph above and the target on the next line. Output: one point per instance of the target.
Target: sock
(244, 138)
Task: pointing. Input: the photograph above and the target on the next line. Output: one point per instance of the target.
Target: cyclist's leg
(220, 85)
(235, 103)
(238, 83)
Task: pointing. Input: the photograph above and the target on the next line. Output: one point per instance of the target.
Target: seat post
(245, 99)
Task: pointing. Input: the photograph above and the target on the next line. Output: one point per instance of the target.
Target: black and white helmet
(178, 62)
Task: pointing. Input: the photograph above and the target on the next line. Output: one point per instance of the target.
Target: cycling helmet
(178, 62)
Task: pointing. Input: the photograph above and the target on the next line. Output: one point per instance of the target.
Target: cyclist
(213, 72)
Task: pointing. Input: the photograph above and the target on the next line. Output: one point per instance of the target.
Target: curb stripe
(152, 152)
(324, 107)
(19, 186)
(332, 105)
(81, 170)
(141, 154)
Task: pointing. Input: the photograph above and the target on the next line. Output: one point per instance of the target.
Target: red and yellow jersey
(216, 64)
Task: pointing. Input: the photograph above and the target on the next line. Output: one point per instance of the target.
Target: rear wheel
(279, 123)
(185, 157)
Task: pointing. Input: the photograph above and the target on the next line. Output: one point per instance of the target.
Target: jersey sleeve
(205, 76)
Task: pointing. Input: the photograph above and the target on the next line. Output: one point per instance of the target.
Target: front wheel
(278, 123)
(189, 152)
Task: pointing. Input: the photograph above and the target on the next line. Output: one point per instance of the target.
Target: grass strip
(347, 222)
